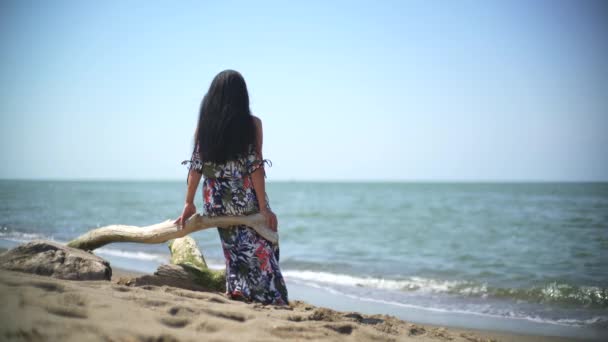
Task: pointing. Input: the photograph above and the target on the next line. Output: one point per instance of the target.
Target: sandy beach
(38, 308)
(370, 170)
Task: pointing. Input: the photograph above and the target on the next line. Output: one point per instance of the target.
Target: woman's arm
(194, 178)
(259, 183)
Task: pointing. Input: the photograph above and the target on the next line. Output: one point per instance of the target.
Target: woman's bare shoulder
(256, 120)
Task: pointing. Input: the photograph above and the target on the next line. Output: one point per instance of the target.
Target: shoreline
(39, 307)
(319, 299)
(473, 333)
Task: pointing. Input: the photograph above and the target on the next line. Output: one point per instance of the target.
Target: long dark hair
(225, 124)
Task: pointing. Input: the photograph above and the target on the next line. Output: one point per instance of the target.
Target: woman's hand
(271, 219)
(189, 210)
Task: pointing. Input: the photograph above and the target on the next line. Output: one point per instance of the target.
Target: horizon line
(319, 180)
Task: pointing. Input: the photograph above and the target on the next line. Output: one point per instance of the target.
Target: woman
(228, 153)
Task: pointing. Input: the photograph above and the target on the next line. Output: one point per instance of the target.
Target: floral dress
(252, 262)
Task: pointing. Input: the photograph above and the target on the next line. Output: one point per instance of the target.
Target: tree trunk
(165, 231)
(187, 270)
(185, 252)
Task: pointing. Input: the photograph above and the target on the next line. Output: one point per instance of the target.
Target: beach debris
(300, 304)
(164, 337)
(474, 338)
(389, 325)
(345, 329)
(415, 330)
(184, 251)
(441, 333)
(324, 314)
(355, 315)
(165, 231)
(52, 259)
(191, 266)
(188, 270)
(364, 320)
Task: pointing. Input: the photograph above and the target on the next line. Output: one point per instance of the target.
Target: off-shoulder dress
(252, 262)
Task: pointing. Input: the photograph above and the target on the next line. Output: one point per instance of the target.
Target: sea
(518, 257)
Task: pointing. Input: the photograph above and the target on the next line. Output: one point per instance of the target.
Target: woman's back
(228, 187)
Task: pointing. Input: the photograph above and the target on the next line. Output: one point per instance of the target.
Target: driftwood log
(165, 231)
(187, 270)
(185, 253)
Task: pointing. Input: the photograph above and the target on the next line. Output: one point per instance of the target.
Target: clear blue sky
(347, 90)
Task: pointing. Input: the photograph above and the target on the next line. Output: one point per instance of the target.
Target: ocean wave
(592, 297)
(138, 255)
(411, 284)
(24, 237)
(550, 293)
(596, 321)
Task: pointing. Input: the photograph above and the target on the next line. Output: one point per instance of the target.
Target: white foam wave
(138, 255)
(25, 237)
(598, 320)
(409, 284)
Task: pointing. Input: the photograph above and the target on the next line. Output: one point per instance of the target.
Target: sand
(38, 308)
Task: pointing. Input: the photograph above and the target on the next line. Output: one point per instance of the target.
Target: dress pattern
(252, 262)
